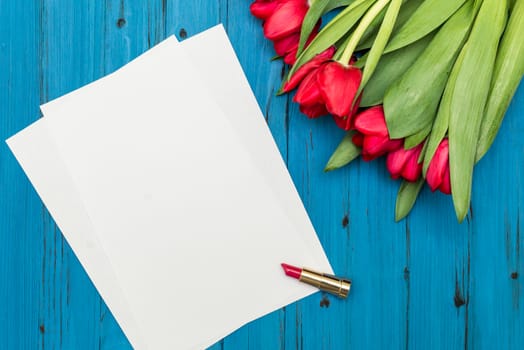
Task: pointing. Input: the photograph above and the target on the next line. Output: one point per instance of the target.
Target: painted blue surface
(424, 283)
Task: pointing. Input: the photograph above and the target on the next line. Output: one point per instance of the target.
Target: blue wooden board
(424, 283)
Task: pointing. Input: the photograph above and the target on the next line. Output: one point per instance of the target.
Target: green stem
(339, 53)
(361, 29)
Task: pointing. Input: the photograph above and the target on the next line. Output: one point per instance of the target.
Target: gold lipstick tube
(328, 283)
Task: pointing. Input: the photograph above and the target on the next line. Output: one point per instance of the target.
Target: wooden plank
(438, 274)
(72, 314)
(21, 227)
(264, 77)
(496, 284)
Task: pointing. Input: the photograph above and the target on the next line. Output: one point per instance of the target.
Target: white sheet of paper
(240, 104)
(133, 206)
(38, 156)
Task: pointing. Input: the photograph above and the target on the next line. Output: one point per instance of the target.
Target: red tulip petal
(286, 44)
(412, 169)
(358, 139)
(367, 158)
(343, 122)
(308, 92)
(445, 186)
(339, 85)
(396, 161)
(432, 179)
(437, 166)
(444, 146)
(376, 146)
(291, 55)
(372, 122)
(393, 145)
(305, 69)
(263, 9)
(286, 19)
(314, 111)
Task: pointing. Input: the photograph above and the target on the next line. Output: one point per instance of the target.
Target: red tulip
(374, 137)
(308, 92)
(263, 8)
(288, 46)
(358, 139)
(346, 123)
(282, 24)
(309, 97)
(343, 122)
(307, 68)
(314, 111)
(404, 163)
(438, 170)
(339, 85)
(286, 19)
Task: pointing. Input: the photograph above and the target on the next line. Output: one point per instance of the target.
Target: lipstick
(327, 283)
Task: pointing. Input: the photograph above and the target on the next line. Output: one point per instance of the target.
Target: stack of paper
(167, 184)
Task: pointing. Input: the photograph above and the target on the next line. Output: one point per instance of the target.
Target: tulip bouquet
(425, 83)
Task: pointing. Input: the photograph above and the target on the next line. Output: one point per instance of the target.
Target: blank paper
(176, 195)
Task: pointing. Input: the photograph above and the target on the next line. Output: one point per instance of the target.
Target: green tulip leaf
(428, 17)
(316, 10)
(406, 197)
(441, 123)
(469, 99)
(422, 153)
(345, 153)
(509, 69)
(407, 9)
(392, 66)
(411, 103)
(333, 4)
(416, 139)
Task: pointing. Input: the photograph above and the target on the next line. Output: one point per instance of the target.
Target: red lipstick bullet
(292, 271)
(328, 283)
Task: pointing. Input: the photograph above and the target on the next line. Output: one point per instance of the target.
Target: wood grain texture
(424, 283)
